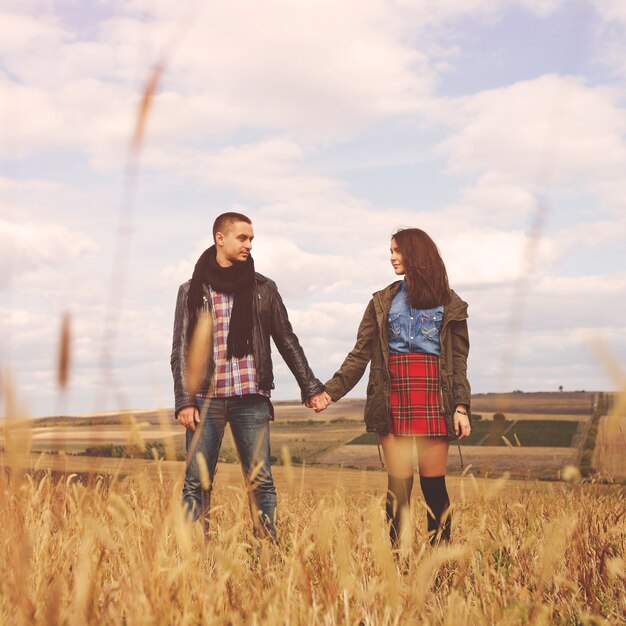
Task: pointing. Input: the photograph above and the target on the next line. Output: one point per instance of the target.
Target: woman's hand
(462, 426)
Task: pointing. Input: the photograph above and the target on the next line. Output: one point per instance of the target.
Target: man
(246, 310)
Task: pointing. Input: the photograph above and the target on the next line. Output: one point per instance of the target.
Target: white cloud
(611, 10)
(140, 373)
(610, 36)
(611, 195)
(547, 341)
(355, 248)
(20, 34)
(10, 186)
(433, 13)
(542, 8)
(598, 290)
(495, 199)
(297, 271)
(25, 246)
(266, 171)
(475, 257)
(594, 234)
(553, 129)
(86, 117)
(301, 72)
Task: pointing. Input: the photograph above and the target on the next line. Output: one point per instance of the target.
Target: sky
(497, 126)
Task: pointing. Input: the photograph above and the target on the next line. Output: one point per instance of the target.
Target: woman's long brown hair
(426, 276)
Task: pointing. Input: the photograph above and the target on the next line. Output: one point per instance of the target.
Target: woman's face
(396, 258)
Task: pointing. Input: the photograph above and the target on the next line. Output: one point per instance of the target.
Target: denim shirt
(413, 330)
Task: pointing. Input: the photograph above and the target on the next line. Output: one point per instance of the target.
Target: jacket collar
(456, 309)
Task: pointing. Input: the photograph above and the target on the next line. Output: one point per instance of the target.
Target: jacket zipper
(258, 361)
(386, 370)
(441, 334)
(206, 310)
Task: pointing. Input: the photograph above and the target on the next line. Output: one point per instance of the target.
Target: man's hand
(319, 401)
(189, 417)
(462, 426)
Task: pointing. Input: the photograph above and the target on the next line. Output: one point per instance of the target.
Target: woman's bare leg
(398, 451)
(432, 454)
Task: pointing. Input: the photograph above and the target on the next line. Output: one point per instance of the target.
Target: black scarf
(237, 279)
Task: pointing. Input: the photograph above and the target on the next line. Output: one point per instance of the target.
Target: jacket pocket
(376, 414)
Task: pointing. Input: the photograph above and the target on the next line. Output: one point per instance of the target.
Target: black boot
(398, 497)
(438, 517)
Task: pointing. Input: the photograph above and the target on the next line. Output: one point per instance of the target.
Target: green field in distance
(530, 433)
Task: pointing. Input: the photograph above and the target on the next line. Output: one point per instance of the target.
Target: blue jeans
(249, 418)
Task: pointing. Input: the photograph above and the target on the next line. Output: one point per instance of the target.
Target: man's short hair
(224, 221)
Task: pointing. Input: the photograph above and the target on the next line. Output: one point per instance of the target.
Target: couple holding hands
(413, 334)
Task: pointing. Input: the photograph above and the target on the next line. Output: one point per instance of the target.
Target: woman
(414, 332)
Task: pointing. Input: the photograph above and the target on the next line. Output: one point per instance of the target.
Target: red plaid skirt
(415, 398)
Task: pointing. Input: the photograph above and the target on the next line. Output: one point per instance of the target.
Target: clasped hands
(318, 401)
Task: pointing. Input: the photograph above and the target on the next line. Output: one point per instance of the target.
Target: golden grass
(64, 352)
(119, 551)
(199, 352)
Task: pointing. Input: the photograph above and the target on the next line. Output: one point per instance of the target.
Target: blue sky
(330, 124)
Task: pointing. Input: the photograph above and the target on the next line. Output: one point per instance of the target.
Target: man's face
(234, 245)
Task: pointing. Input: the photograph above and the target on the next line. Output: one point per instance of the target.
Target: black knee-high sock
(398, 497)
(436, 496)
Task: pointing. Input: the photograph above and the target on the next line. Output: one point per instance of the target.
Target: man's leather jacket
(270, 320)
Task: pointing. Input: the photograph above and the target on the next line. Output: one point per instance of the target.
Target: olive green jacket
(372, 344)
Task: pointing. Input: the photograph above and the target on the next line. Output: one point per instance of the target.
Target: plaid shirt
(234, 376)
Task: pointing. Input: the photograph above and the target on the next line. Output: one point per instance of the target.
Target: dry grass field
(609, 457)
(94, 540)
(118, 551)
(104, 541)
